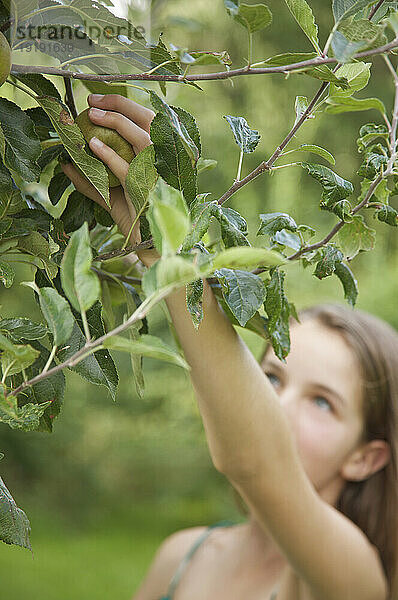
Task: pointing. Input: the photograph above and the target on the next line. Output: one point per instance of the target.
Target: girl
(311, 447)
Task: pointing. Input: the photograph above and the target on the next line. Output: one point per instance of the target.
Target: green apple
(110, 137)
(5, 58)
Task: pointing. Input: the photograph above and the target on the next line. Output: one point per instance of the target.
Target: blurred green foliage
(115, 478)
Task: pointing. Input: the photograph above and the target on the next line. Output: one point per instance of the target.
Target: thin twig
(340, 224)
(69, 98)
(117, 253)
(267, 165)
(375, 9)
(126, 279)
(372, 187)
(201, 76)
(97, 344)
(94, 345)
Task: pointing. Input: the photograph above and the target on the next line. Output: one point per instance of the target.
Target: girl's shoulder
(166, 560)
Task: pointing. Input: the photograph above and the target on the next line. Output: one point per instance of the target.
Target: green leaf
(22, 146)
(287, 58)
(172, 161)
(165, 223)
(6, 188)
(387, 214)
(177, 126)
(300, 106)
(369, 132)
(304, 16)
(25, 418)
(210, 58)
(43, 126)
(98, 368)
(348, 281)
(356, 35)
(278, 310)
(173, 225)
(246, 138)
(149, 279)
(15, 357)
(80, 283)
(194, 297)
(57, 313)
(132, 302)
(51, 389)
(326, 266)
(20, 328)
(79, 209)
(141, 177)
(372, 165)
(14, 524)
(233, 226)
(285, 238)
(206, 164)
(36, 245)
(7, 274)
(175, 270)
(335, 188)
(57, 186)
(243, 257)
(254, 17)
(317, 150)
(357, 75)
(39, 84)
(242, 291)
(380, 194)
(342, 105)
(273, 222)
(74, 142)
(121, 44)
(343, 209)
(159, 54)
(342, 9)
(323, 73)
(356, 237)
(146, 345)
(257, 324)
(200, 213)
(344, 49)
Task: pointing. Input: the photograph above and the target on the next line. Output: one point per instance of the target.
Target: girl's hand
(132, 121)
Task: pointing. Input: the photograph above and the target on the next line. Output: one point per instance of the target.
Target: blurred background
(115, 478)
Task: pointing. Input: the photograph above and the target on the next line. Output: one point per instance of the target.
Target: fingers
(82, 184)
(116, 163)
(136, 136)
(132, 110)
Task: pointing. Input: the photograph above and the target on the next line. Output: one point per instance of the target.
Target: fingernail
(96, 112)
(96, 97)
(95, 142)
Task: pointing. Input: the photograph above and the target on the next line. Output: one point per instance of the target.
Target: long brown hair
(372, 504)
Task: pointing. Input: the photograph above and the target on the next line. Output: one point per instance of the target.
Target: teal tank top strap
(183, 564)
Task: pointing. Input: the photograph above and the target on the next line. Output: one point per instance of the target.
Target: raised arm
(245, 426)
(251, 443)
(247, 432)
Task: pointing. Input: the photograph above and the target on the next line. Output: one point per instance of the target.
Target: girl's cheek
(317, 441)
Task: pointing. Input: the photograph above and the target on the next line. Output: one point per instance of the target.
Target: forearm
(245, 426)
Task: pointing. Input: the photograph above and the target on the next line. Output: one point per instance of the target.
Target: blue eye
(274, 379)
(324, 400)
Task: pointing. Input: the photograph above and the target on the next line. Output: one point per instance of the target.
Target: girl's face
(319, 389)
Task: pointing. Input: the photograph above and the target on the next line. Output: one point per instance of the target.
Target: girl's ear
(366, 461)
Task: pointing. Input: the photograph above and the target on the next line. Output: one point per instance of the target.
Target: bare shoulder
(165, 562)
